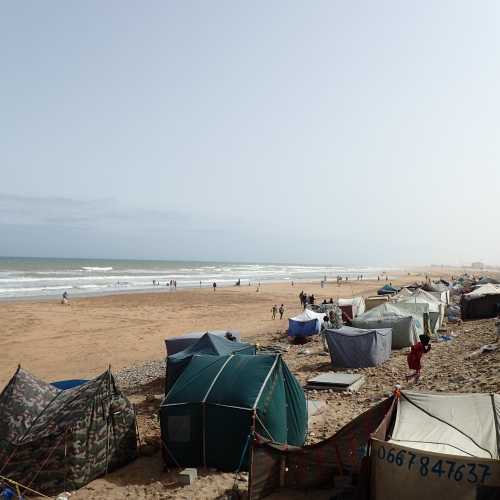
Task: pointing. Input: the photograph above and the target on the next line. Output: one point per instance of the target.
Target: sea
(50, 277)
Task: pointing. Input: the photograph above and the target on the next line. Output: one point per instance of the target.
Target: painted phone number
(470, 472)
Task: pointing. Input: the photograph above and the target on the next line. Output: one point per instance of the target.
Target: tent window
(179, 429)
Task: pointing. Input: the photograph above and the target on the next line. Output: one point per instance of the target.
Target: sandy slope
(57, 342)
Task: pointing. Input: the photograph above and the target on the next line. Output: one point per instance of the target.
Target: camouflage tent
(53, 440)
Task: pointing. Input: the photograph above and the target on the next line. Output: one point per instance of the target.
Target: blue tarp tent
(387, 290)
(305, 324)
(210, 344)
(68, 384)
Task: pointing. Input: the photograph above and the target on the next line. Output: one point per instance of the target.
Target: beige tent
(441, 446)
(374, 301)
(411, 446)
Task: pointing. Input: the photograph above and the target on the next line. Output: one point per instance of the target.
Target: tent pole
(108, 419)
(204, 443)
(496, 421)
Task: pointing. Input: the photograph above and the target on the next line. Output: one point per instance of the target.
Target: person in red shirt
(415, 356)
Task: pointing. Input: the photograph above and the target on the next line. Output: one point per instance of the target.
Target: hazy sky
(343, 132)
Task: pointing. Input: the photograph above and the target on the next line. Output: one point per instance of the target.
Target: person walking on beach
(301, 298)
(274, 310)
(281, 310)
(415, 356)
(214, 285)
(65, 299)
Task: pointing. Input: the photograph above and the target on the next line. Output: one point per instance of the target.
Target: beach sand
(80, 340)
(77, 341)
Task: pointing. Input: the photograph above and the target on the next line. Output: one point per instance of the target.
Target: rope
(244, 452)
(242, 457)
(170, 454)
(19, 485)
(446, 423)
(137, 427)
(51, 452)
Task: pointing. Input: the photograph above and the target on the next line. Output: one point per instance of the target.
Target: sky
(349, 133)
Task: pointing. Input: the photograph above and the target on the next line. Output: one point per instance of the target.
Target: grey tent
(210, 344)
(406, 327)
(54, 440)
(357, 348)
(443, 290)
(420, 311)
(485, 280)
(435, 310)
(181, 342)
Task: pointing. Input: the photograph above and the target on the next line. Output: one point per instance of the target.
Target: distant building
(477, 265)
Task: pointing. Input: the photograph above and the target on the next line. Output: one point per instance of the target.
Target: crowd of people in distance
(171, 283)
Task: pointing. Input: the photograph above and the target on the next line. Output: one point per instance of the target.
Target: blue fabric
(68, 384)
(387, 289)
(7, 493)
(303, 328)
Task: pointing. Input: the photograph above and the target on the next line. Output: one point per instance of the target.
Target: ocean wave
(32, 289)
(97, 268)
(138, 276)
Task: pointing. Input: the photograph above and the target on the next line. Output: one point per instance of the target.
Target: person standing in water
(214, 285)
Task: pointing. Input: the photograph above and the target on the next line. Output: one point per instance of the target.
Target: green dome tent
(211, 412)
(208, 344)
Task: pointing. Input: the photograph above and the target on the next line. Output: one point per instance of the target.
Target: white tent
(483, 290)
(308, 315)
(442, 446)
(436, 307)
(304, 324)
(454, 424)
(357, 304)
(403, 293)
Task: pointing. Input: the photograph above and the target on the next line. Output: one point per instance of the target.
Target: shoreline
(164, 289)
